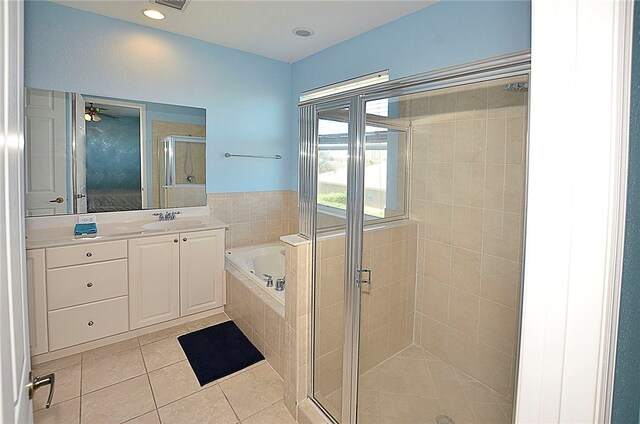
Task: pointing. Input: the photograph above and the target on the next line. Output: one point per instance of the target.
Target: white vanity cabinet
(93, 290)
(176, 275)
(86, 292)
(154, 280)
(37, 295)
(201, 271)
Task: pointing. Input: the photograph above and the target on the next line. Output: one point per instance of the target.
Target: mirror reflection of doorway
(114, 145)
(46, 163)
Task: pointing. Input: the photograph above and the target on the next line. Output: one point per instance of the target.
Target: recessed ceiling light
(303, 32)
(153, 14)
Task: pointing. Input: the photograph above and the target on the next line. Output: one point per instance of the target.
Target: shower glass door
(439, 319)
(330, 253)
(372, 176)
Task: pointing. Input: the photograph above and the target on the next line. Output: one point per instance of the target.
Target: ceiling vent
(180, 5)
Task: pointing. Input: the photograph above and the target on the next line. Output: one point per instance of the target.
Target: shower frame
(505, 66)
(167, 156)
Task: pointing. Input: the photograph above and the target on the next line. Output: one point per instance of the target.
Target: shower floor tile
(415, 387)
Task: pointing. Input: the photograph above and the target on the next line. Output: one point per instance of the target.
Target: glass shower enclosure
(182, 171)
(413, 193)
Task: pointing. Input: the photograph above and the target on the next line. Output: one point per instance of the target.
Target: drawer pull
(184, 239)
(89, 284)
(89, 254)
(175, 240)
(90, 323)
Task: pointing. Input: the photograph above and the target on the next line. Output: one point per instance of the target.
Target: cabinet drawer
(79, 324)
(75, 285)
(86, 254)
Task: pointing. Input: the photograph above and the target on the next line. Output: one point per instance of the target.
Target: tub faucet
(280, 284)
(269, 280)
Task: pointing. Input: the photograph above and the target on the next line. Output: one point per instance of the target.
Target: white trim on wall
(620, 132)
(577, 164)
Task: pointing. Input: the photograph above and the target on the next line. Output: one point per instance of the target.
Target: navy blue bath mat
(217, 351)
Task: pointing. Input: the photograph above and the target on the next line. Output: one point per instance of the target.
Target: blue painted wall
(445, 34)
(247, 97)
(251, 101)
(626, 392)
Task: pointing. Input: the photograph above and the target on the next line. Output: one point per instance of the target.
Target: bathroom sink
(178, 224)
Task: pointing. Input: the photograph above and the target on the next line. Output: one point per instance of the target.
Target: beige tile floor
(147, 380)
(415, 387)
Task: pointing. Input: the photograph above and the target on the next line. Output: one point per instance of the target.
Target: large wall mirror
(89, 154)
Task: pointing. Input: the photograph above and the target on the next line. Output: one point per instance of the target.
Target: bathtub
(255, 261)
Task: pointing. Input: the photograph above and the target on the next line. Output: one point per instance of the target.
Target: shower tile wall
(181, 196)
(161, 129)
(467, 185)
(387, 306)
(255, 217)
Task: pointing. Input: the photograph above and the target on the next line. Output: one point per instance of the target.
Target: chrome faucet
(170, 216)
(280, 284)
(269, 280)
(167, 216)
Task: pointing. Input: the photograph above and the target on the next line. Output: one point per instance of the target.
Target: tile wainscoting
(255, 217)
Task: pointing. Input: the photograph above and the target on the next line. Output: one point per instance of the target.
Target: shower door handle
(359, 276)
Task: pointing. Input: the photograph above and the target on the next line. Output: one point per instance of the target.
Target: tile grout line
(229, 403)
(265, 408)
(202, 388)
(117, 382)
(81, 392)
(153, 395)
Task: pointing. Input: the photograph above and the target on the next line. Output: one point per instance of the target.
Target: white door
(80, 155)
(46, 152)
(201, 271)
(154, 280)
(15, 363)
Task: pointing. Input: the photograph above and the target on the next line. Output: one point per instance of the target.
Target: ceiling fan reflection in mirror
(95, 114)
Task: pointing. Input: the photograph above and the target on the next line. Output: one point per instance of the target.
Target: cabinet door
(154, 280)
(37, 294)
(201, 271)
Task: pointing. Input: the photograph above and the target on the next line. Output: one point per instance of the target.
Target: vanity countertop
(63, 236)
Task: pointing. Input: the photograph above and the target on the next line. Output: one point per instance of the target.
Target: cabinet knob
(89, 284)
(175, 240)
(89, 254)
(184, 239)
(90, 323)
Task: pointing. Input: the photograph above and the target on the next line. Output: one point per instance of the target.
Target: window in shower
(386, 170)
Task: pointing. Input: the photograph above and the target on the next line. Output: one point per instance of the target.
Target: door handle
(360, 279)
(57, 200)
(39, 381)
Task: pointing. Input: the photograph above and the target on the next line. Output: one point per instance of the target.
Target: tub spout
(280, 284)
